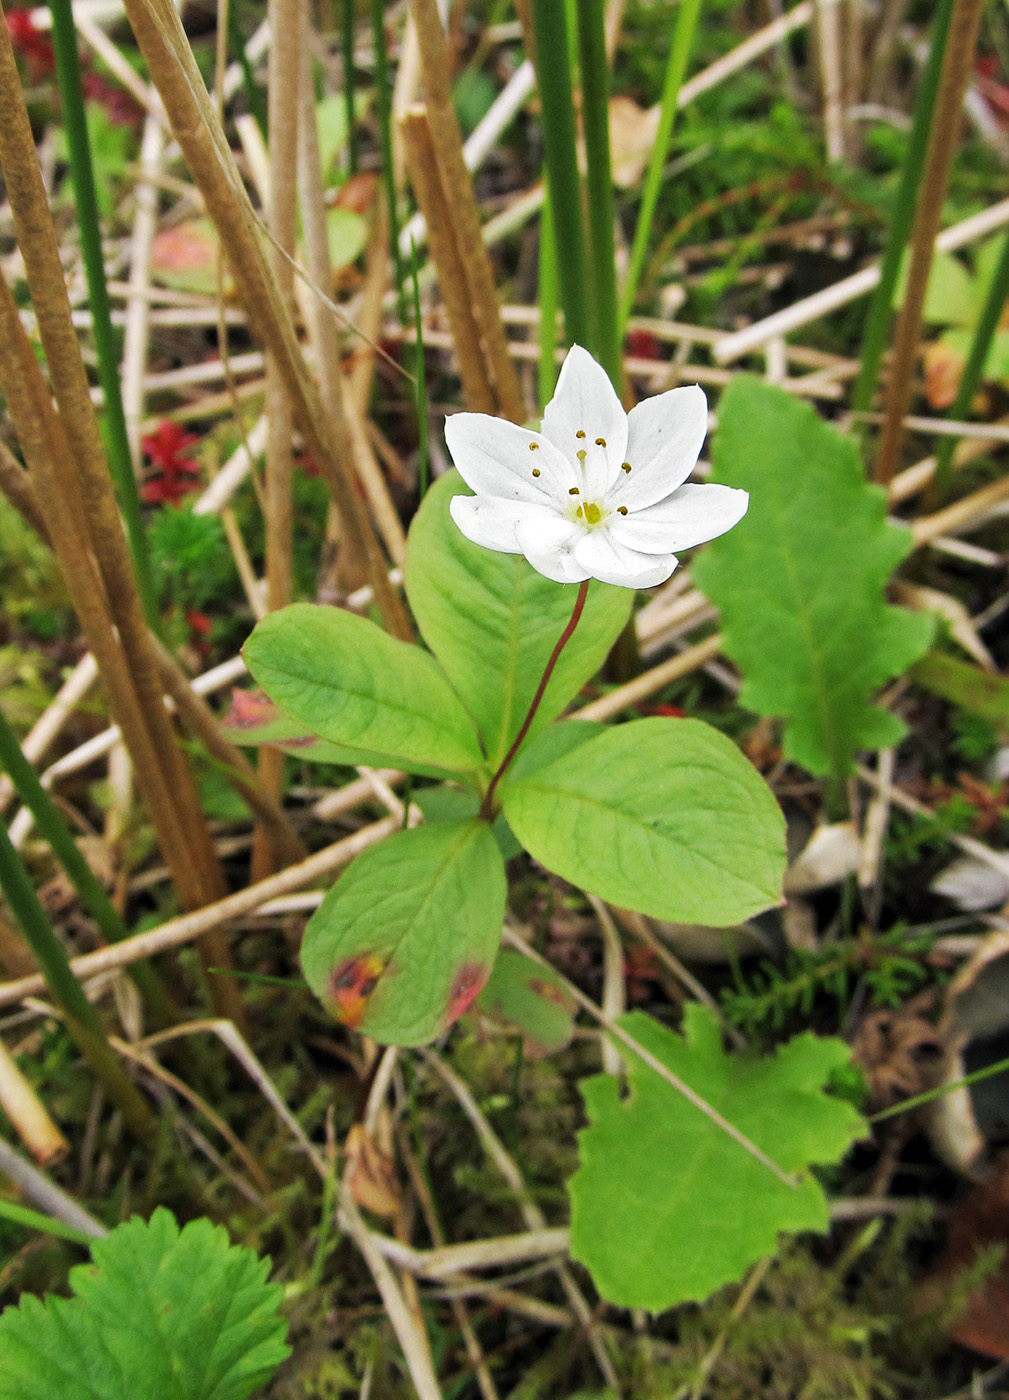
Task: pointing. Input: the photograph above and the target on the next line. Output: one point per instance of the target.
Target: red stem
(487, 807)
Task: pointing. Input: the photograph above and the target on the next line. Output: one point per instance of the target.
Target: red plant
(165, 448)
(34, 48)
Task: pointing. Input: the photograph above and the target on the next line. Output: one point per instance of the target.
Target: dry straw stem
(36, 1187)
(16, 486)
(943, 137)
(477, 389)
(175, 933)
(67, 464)
(28, 1114)
(159, 33)
(457, 188)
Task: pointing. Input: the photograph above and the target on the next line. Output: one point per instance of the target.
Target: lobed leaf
(344, 679)
(661, 815)
(164, 1313)
(665, 1206)
(492, 621)
(406, 937)
(800, 579)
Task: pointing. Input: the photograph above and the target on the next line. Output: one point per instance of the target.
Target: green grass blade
(68, 74)
(547, 300)
(877, 323)
(553, 76)
(347, 40)
(596, 124)
(35, 1220)
(987, 325)
(679, 53)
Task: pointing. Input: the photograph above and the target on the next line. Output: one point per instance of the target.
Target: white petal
(689, 516)
(498, 458)
(491, 522)
(586, 403)
(606, 559)
(548, 544)
(665, 435)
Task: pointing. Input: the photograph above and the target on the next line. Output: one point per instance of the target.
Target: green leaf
(800, 579)
(661, 815)
(532, 998)
(452, 804)
(343, 678)
(980, 692)
(406, 938)
(492, 621)
(665, 1206)
(163, 1314)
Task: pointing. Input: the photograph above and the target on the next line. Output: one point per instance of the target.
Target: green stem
(553, 76)
(596, 124)
(487, 806)
(877, 323)
(547, 300)
(987, 325)
(81, 1020)
(347, 37)
(679, 53)
(383, 104)
(35, 1220)
(65, 848)
(68, 75)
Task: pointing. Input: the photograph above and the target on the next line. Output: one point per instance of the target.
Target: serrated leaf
(800, 579)
(492, 621)
(661, 815)
(532, 998)
(343, 678)
(163, 1314)
(406, 937)
(665, 1206)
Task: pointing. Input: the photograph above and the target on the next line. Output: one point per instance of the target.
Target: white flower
(598, 493)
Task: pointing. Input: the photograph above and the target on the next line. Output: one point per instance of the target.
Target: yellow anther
(534, 447)
(621, 510)
(580, 433)
(581, 454)
(536, 471)
(593, 514)
(573, 491)
(600, 442)
(625, 466)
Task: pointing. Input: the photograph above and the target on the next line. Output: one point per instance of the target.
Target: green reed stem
(991, 314)
(47, 1224)
(596, 124)
(254, 95)
(877, 323)
(676, 67)
(81, 1020)
(547, 300)
(92, 893)
(347, 41)
(383, 104)
(420, 393)
(68, 75)
(553, 77)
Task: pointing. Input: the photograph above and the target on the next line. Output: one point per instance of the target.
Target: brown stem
(487, 806)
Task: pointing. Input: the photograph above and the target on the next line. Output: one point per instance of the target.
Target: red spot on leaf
(469, 981)
(352, 984)
(547, 991)
(249, 709)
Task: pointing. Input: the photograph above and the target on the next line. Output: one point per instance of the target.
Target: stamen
(580, 433)
(600, 442)
(534, 447)
(625, 466)
(581, 454)
(578, 512)
(536, 471)
(621, 510)
(573, 491)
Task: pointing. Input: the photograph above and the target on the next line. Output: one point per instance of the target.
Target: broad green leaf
(661, 815)
(800, 579)
(665, 1206)
(343, 678)
(492, 621)
(254, 720)
(452, 804)
(164, 1314)
(406, 937)
(532, 998)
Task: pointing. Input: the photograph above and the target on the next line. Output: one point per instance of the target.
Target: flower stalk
(487, 806)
